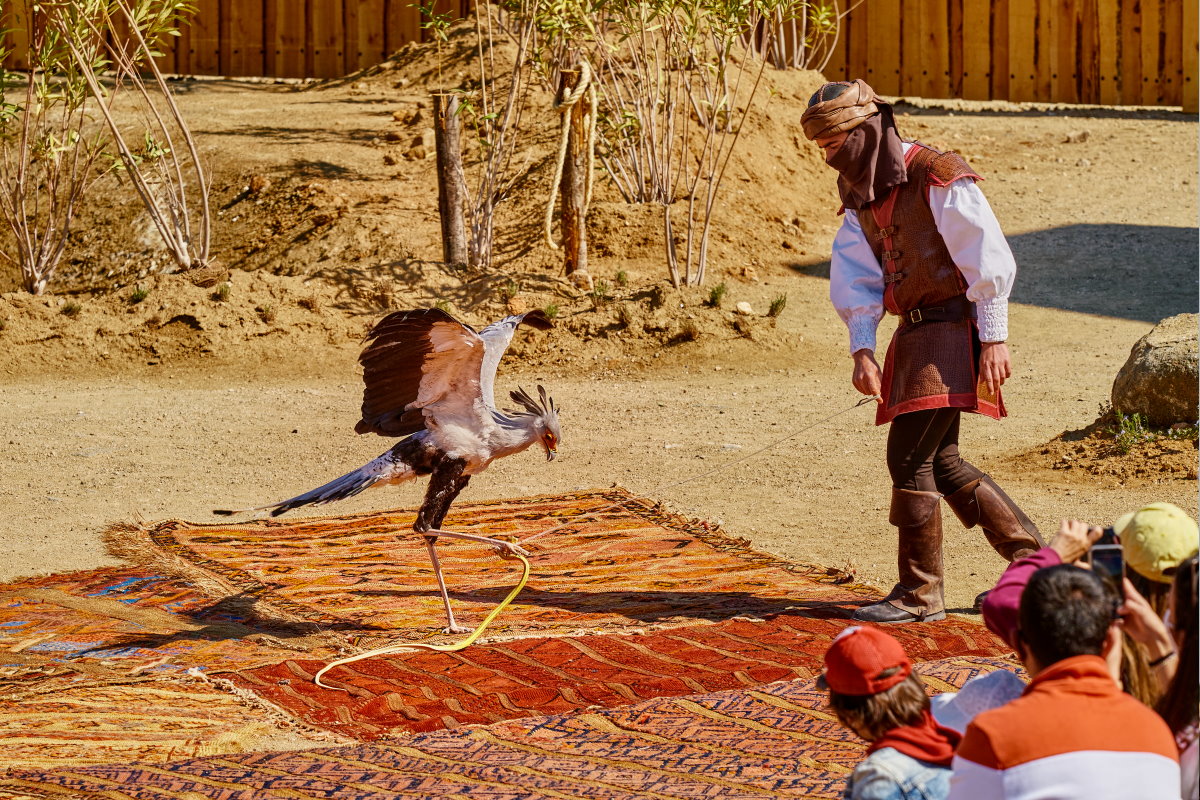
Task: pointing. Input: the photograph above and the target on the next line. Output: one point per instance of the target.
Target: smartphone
(1108, 561)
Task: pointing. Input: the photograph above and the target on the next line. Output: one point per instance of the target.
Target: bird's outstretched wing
(425, 361)
(496, 338)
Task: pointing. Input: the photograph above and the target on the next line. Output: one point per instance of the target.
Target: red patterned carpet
(644, 659)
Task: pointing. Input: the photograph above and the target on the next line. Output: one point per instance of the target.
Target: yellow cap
(1156, 538)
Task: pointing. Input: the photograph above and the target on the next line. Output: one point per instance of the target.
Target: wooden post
(574, 180)
(447, 129)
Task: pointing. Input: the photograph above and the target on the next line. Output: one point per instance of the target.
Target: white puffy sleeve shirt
(975, 241)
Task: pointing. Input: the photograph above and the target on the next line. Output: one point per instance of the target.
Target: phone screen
(1108, 561)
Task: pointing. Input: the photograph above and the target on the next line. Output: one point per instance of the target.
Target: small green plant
(716, 295)
(222, 292)
(1130, 431)
(622, 278)
(508, 290)
(442, 305)
(138, 294)
(601, 293)
(71, 309)
(266, 313)
(551, 310)
(777, 305)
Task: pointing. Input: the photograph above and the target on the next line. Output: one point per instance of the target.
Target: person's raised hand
(867, 378)
(995, 365)
(1073, 539)
(1142, 624)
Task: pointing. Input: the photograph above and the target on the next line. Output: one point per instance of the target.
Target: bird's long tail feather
(385, 469)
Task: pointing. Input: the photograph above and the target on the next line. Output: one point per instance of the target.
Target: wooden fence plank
(857, 46)
(908, 59)
(935, 49)
(1172, 72)
(1066, 69)
(883, 37)
(1151, 52)
(1022, 15)
(14, 18)
(1105, 21)
(1000, 62)
(402, 24)
(955, 75)
(327, 35)
(977, 50)
(285, 41)
(243, 49)
(1131, 51)
(1045, 45)
(365, 39)
(204, 38)
(1191, 81)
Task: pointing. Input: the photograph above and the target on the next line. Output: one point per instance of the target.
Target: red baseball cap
(864, 661)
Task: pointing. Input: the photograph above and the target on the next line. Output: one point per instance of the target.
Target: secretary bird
(430, 379)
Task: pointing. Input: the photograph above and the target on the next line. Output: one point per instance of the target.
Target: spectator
(1073, 734)
(1174, 652)
(875, 694)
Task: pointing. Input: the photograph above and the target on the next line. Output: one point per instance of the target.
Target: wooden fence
(1119, 52)
(1116, 52)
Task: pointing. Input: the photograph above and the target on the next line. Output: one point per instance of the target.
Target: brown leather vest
(917, 268)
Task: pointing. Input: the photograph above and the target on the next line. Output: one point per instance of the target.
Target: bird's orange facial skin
(550, 442)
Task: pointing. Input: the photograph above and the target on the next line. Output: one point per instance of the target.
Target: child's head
(872, 688)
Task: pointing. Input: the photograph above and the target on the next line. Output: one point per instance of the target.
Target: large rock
(1159, 381)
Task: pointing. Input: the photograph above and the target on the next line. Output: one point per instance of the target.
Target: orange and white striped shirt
(1072, 734)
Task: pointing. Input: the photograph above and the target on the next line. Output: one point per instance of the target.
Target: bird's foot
(510, 550)
(455, 628)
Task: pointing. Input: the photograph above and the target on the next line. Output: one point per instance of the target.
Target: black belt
(955, 309)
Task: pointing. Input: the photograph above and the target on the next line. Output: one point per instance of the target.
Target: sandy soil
(185, 402)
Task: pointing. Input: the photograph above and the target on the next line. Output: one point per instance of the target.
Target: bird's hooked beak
(551, 453)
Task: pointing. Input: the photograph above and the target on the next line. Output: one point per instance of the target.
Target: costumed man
(919, 240)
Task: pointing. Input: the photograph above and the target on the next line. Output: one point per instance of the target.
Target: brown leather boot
(981, 502)
(918, 596)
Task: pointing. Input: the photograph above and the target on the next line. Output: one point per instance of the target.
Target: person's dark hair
(828, 92)
(873, 715)
(1065, 611)
(1178, 705)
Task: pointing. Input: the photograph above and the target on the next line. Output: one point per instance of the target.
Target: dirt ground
(193, 399)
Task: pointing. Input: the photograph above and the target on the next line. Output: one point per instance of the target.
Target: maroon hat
(864, 661)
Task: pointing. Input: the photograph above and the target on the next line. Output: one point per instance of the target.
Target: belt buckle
(914, 316)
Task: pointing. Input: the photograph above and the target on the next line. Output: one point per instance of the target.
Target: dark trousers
(922, 452)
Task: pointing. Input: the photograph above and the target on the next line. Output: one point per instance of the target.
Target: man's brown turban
(831, 111)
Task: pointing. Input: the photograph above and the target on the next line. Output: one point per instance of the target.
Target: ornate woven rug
(616, 562)
(226, 624)
(489, 683)
(775, 741)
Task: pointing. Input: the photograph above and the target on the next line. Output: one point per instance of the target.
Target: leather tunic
(929, 364)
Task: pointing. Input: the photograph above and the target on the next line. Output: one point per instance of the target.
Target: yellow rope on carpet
(437, 648)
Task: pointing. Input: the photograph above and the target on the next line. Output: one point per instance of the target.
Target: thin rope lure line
(714, 470)
(525, 566)
(436, 648)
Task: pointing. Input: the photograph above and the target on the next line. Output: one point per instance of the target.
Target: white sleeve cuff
(862, 332)
(992, 318)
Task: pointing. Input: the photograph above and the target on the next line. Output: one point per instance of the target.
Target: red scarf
(925, 741)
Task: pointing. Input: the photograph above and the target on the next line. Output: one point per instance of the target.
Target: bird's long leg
(445, 483)
(451, 625)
